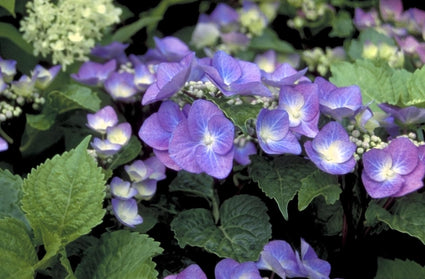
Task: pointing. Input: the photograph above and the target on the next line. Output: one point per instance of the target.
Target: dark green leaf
(399, 269)
(10, 32)
(342, 25)
(270, 40)
(243, 231)
(9, 5)
(200, 185)
(127, 154)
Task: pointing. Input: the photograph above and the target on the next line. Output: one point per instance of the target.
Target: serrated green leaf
(10, 196)
(280, 179)
(9, 5)
(374, 81)
(120, 254)
(370, 35)
(407, 215)
(17, 253)
(127, 154)
(270, 40)
(238, 114)
(330, 217)
(399, 269)
(66, 265)
(243, 231)
(318, 184)
(200, 185)
(63, 197)
(416, 89)
(399, 82)
(74, 96)
(10, 32)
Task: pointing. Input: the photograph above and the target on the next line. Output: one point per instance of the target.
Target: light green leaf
(9, 5)
(17, 253)
(200, 185)
(399, 269)
(355, 49)
(243, 231)
(281, 178)
(10, 32)
(318, 184)
(74, 96)
(407, 215)
(120, 254)
(342, 25)
(238, 114)
(10, 196)
(416, 89)
(63, 198)
(374, 81)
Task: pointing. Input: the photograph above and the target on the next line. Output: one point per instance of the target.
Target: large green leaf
(270, 40)
(407, 215)
(127, 154)
(416, 89)
(370, 35)
(10, 196)
(10, 32)
(120, 254)
(17, 253)
(318, 184)
(63, 198)
(9, 5)
(243, 230)
(281, 178)
(399, 269)
(200, 185)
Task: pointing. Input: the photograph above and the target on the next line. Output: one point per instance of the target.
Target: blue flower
(126, 212)
(204, 141)
(94, 74)
(393, 171)
(331, 150)
(193, 271)
(231, 269)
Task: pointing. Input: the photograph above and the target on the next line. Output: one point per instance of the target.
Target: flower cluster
(277, 256)
(67, 30)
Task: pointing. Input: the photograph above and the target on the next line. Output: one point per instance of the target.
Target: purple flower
(233, 76)
(405, 116)
(170, 78)
(3, 145)
(105, 147)
(138, 171)
(3, 84)
(279, 257)
(122, 189)
(157, 129)
(143, 77)
(284, 74)
(273, 133)
(393, 171)
(146, 189)
(191, 272)
(119, 134)
(204, 141)
(120, 86)
(8, 69)
(312, 266)
(331, 150)
(338, 102)
(167, 49)
(363, 19)
(43, 76)
(231, 269)
(243, 151)
(94, 74)
(101, 120)
(391, 9)
(224, 15)
(301, 102)
(114, 50)
(126, 212)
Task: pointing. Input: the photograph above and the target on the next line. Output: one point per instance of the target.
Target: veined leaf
(10, 32)
(63, 197)
(316, 184)
(243, 231)
(416, 89)
(120, 254)
(72, 97)
(270, 40)
(9, 5)
(374, 81)
(281, 178)
(17, 253)
(200, 185)
(407, 215)
(128, 153)
(10, 196)
(399, 269)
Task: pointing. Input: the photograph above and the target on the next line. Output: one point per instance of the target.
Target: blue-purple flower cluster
(277, 256)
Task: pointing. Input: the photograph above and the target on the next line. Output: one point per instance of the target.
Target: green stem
(6, 136)
(215, 207)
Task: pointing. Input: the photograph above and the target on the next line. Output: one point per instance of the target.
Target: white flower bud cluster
(364, 141)
(69, 29)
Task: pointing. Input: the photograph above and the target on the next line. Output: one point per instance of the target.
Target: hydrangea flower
(190, 272)
(8, 69)
(243, 151)
(43, 76)
(119, 134)
(104, 147)
(393, 171)
(3, 145)
(157, 129)
(404, 116)
(301, 102)
(338, 102)
(231, 269)
(235, 77)
(122, 189)
(102, 119)
(120, 86)
(204, 141)
(284, 74)
(113, 51)
(274, 136)
(126, 212)
(331, 150)
(93, 73)
(167, 49)
(312, 266)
